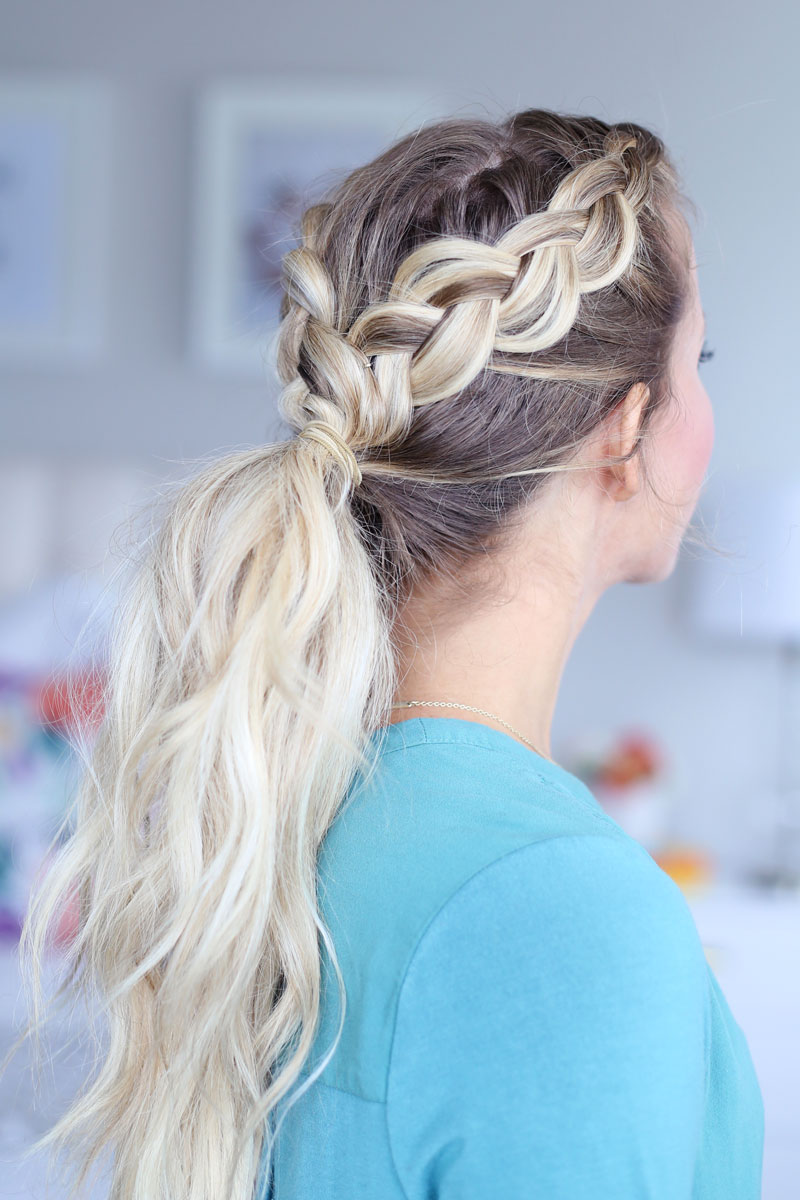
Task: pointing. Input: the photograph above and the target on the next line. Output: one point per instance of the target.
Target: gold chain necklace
(470, 708)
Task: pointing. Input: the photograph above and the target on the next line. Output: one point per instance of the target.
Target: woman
(334, 886)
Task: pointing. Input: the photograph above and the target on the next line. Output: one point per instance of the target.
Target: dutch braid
(457, 306)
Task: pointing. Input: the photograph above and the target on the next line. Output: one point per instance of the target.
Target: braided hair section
(457, 306)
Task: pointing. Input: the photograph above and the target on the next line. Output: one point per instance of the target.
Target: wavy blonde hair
(462, 312)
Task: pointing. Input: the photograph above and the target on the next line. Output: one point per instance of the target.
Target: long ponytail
(248, 660)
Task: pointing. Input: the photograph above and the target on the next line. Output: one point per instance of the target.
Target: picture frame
(55, 135)
(262, 152)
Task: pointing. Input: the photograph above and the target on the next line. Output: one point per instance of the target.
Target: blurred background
(153, 159)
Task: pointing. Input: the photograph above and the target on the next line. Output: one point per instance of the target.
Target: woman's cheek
(703, 439)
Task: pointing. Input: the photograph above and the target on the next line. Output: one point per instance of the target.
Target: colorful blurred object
(72, 702)
(689, 867)
(39, 716)
(635, 756)
(630, 779)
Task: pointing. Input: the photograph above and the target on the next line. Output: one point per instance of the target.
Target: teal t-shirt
(530, 1012)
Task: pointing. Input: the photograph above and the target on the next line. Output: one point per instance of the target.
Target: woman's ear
(623, 480)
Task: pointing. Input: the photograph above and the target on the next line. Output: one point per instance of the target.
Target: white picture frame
(55, 136)
(262, 152)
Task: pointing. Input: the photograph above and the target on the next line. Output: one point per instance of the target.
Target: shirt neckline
(414, 731)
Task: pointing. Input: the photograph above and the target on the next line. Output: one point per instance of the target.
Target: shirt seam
(423, 934)
(344, 1091)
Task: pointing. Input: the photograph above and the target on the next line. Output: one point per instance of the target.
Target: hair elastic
(332, 440)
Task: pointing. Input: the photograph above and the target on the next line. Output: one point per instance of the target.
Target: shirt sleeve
(550, 1036)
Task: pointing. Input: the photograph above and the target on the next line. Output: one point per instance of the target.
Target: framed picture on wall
(54, 217)
(263, 152)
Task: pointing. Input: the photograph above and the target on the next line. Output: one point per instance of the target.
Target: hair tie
(332, 440)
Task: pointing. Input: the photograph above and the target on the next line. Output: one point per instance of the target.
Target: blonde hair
(461, 314)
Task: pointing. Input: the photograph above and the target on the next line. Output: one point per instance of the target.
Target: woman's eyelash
(705, 354)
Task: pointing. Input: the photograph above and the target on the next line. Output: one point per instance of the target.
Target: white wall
(717, 81)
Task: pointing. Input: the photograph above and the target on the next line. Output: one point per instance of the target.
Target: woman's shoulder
(443, 804)
(450, 840)
(461, 787)
(553, 1018)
